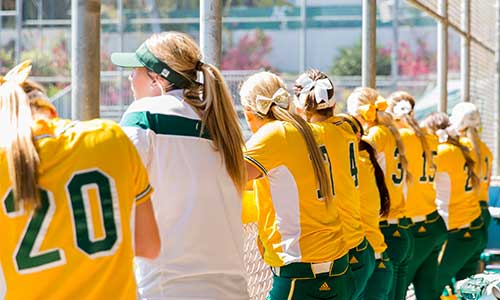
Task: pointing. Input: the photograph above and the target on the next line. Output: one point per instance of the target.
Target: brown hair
(216, 108)
(311, 104)
(440, 121)
(369, 96)
(410, 121)
(266, 84)
(357, 128)
(17, 138)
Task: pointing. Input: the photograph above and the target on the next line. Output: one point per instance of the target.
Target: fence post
(369, 44)
(19, 27)
(465, 51)
(395, 44)
(211, 31)
(85, 58)
(303, 36)
(442, 55)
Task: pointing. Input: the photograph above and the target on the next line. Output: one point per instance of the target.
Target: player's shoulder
(447, 148)
(340, 126)
(406, 132)
(270, 133)
(92, 132)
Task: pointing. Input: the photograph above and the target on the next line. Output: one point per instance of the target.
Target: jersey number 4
(28, 258)
(352, 164)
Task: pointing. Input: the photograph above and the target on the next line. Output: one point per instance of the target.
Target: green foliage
(348, 62)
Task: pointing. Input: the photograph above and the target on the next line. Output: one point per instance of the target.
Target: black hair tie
(198, 66)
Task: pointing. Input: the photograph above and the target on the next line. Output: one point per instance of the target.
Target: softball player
(299, 226)
(314, 101)
(369, 108)
(456, 197)
(189, 138)
(427, 226)
(375, 202)
(466, 119)
(68, 204)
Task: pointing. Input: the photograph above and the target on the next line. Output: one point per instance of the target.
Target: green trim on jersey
(165, 124)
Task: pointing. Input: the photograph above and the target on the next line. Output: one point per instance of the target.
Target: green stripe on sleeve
(165, 124)
(143, 193)
(257, 164)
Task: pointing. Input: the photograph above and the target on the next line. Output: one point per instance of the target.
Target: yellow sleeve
(377, 138)
(264, 148)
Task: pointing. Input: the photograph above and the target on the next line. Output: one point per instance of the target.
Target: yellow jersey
(486, 161)
(456, 199)
(381, 138)
(79, 243)
(370, 200)
(295, 224)
(420, 193)
(344, 159)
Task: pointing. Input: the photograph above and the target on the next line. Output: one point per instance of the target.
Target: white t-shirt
(197, 206)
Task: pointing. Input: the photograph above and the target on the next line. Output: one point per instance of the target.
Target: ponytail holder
(381, 103)
(368, 112)
(442, 135)
(198, 66)
(263, 104)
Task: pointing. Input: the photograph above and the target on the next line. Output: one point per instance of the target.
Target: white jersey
(197, 206)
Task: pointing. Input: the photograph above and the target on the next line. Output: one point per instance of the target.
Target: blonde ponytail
(469, 162)
(385, 119)
(440, 121)
(211, 100)
(22, 156)
(325, 186)
(473, 136)
(266, 84)
(410, 121)
(367, 104)
(220, 118)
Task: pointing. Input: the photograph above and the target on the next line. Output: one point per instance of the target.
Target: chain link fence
(482, 56)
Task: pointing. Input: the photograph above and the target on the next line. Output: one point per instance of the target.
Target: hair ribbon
(263, 104)
(320, 86)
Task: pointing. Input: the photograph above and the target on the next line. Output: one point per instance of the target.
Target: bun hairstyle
(368, 104)
(264, 94)
(211, 100)
(314, 93)
(357, 128)
(439, 124)
(401, 105)
(466, 119)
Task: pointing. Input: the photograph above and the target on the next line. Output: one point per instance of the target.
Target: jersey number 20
(28, 258)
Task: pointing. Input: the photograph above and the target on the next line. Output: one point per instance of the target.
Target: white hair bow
(263, 103)
(442, 135)
(401, 108)
(320, 86)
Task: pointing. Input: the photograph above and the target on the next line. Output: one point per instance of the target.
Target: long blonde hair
(370, 98)
(409, 120)
(439, 121)
(266, 84)
(216, 108)
(17, 140)
(465, 117)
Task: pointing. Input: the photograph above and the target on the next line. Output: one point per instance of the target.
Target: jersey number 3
(28, 258)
